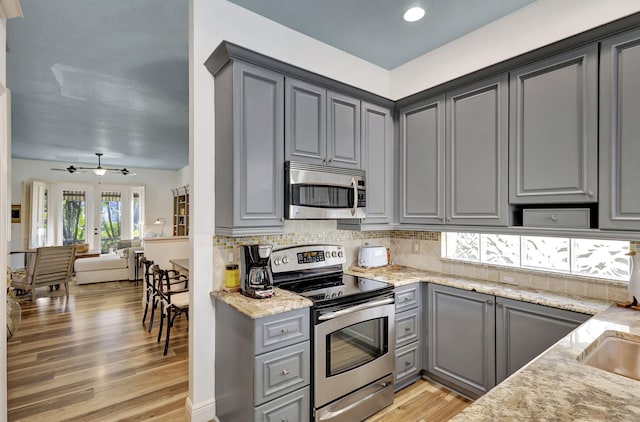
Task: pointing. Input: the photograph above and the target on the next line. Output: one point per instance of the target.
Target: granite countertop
(400, 276)
(282, 301)
(556, 386)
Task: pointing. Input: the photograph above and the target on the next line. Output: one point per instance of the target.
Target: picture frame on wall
(15, 213)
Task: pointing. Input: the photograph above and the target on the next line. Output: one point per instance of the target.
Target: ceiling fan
(98, 171)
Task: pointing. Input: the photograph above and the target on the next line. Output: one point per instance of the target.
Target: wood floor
(89, 358)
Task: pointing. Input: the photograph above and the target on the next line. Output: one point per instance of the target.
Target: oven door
(353, 348)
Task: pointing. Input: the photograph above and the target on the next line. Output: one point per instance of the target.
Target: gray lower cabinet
(553, 140)
(619, 206)
(322, 127)
(477, 156)
(422, 163)
(524, 330)
(461, 339)
(408, 334)
(263, 366)
(249, 107)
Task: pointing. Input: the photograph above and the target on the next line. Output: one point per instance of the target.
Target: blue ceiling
(374, 29)
(91, 76)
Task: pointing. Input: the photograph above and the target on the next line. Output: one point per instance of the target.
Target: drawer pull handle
(285, 372)
(407, 328)
(554, 217)
(285, 420)
(284, 330)
(406, 298)
(407, 363)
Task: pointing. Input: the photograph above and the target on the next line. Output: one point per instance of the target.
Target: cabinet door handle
(554, 217)
(489, 302)
(285, 372)
(590, 194)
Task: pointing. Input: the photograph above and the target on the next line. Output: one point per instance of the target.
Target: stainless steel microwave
(317, 192)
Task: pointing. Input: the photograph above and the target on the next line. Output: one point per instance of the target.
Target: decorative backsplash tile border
(332, 236)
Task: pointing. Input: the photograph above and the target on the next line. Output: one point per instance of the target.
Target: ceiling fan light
(99, 171)
(413, 14)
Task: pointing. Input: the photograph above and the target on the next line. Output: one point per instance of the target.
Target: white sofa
(109, 267)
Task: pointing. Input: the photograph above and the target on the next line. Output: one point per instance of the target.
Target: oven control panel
(297, 258)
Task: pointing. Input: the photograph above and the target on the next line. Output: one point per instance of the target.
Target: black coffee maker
(256, 279)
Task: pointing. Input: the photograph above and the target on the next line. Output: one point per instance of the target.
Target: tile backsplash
(415, 249)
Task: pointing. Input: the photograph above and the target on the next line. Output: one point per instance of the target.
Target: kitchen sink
(615, 352)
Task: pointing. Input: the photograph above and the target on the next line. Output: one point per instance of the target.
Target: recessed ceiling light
(413, 14)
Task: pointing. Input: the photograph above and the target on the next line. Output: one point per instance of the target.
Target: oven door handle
(342, 312)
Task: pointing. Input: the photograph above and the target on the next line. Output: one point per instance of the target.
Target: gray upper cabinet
(476, 154)
(553, 139)
(249, 107)
(620, 132)
(421, 161)
(322, 127)
(343, 130)
(461, 338)
(524, 330)
(305, 122)
(377, 143)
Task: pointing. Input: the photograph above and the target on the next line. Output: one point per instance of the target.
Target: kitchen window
(582, 257)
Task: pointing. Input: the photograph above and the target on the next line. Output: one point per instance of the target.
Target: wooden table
(181, 265)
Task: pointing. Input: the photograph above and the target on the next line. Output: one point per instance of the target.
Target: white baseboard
(203, 412)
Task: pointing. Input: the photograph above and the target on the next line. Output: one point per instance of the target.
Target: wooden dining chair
(173, 290)
(149, 291)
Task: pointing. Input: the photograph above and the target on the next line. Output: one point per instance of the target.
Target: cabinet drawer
(281, 371)
(407, 361)
(578, 218)
(408, 327)
(294, 407)
(281, 330)
(407, 297)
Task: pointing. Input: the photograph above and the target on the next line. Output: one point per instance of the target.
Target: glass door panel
(74, 217)
(110, 220)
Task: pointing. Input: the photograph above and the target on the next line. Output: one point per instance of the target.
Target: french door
(99, 215)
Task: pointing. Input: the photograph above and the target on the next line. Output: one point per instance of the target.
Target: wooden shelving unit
(181, 211)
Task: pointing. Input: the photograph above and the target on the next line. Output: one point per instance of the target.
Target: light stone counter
(400, 276)
(282, 301)
(557, 387)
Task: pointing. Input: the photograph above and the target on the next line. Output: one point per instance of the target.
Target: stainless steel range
(353, 331)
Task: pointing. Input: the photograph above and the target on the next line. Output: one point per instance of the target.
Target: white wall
(538, 24)
(158, 185)
(183, 176)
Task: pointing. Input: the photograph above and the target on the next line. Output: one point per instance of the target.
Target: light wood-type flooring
(89, 358)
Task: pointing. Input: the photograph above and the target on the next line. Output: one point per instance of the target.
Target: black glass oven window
(356, 345)
(320, 196)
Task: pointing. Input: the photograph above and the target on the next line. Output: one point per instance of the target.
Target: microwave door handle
(355, 196)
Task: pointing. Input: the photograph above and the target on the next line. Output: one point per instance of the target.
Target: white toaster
(372, 256)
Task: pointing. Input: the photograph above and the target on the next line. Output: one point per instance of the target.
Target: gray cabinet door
(422, 163)
(553, 140)
(343, 130)
(249, 158)
(461, 338)
(524, 330)
(620, 132)
(305, 122)
(377, 148)
(476, 151)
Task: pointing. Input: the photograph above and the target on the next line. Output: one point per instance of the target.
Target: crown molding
(10, 9)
